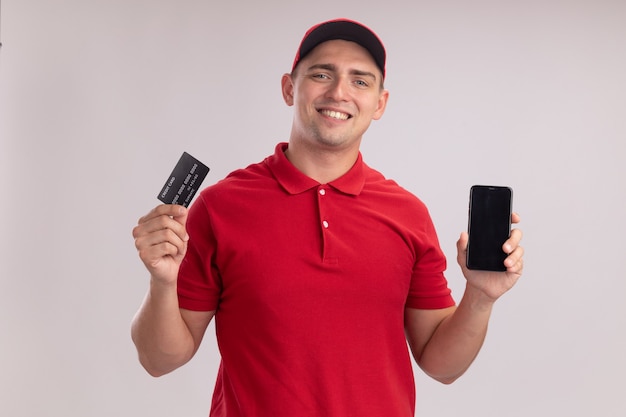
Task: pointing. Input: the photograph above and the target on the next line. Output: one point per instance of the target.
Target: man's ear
(287, 87)
(382, 104)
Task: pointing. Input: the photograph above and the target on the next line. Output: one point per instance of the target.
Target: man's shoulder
(255, 176)
(377, 180)
(389, 192)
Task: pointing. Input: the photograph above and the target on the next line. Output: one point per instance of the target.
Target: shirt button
(322, 192)
(325, 224)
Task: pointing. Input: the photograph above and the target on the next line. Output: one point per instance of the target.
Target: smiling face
(336, 91)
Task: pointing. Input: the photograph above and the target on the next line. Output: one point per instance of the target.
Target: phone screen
(489, 226)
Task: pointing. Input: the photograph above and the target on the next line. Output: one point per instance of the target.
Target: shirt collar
(295, 182)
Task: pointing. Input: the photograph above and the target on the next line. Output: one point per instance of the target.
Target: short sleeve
(429, 287)
(199, 284)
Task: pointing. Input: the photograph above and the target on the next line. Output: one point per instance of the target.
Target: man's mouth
(335, 114)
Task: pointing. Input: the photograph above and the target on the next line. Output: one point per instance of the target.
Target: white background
(98, 99)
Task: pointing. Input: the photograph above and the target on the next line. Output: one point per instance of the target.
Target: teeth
(335, 114)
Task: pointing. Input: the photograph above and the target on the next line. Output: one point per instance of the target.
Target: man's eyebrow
(331, 67)
(363, 73)
(327, 67)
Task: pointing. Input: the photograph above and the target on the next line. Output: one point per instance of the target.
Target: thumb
(461, 249)
(180, 215)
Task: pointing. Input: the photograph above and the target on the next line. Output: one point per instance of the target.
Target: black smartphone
(489, 226)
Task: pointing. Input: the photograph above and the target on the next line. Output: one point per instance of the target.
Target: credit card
(184, 181)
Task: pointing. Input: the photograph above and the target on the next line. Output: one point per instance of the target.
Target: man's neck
(322, 165)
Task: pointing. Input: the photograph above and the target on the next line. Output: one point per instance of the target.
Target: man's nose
(337, 90)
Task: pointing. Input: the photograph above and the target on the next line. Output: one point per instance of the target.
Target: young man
(316, 268)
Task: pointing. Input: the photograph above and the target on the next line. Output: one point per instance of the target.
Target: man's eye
(321, 76)
(361, 83)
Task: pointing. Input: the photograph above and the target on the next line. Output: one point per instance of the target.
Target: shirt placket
(326, 224)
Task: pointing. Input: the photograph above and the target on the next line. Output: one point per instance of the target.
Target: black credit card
(184, 181)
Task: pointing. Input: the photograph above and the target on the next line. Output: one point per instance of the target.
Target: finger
(461, 249)
(514, 261)
(153, 254)
(159, 260)
(513, 241)
(160, 243)
(461, 244)
(160, 235)
(171, 210)
(161, 222)
(515, 218)
(153, 233)
(516, 268)
(181, 215)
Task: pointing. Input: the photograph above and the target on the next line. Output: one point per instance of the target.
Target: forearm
(162, 338)
(458, 339)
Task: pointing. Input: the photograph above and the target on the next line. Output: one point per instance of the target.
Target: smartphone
(489, 226)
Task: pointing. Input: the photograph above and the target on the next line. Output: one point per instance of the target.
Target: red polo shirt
(310, 282)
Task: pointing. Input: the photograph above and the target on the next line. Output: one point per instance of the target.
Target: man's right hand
(161, 240)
